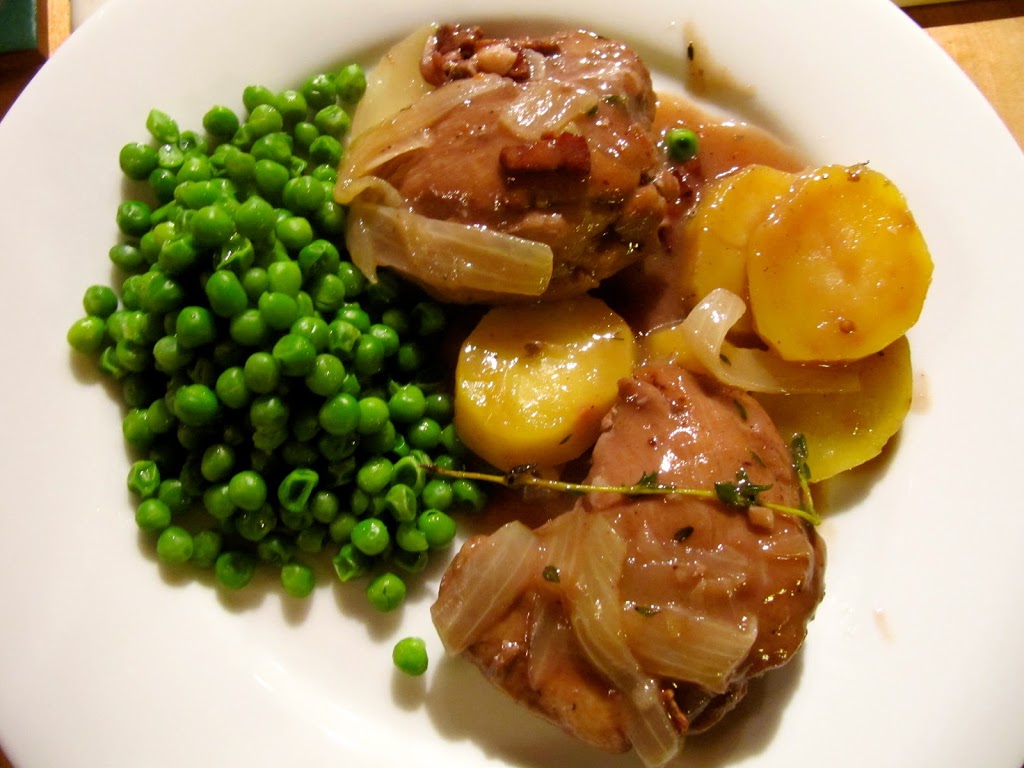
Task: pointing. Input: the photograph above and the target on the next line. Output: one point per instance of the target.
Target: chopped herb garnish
(689, 51)
(740, 408)
(565, 439)
(724, 359)
(684, 533)
(798, 454)
(646, 610)
(551, 574)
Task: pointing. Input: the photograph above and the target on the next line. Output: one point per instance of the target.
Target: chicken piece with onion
(630, 620)
(516, 169)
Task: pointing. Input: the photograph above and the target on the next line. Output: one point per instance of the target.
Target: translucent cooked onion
(486, 585)
(676, 643)
(596, 609)
(699, 342)
(406, 129)
(451, 260)
(543, 105)
(395, 82)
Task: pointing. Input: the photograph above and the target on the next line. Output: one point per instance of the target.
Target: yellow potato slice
(844, 430)
(715, 235)
(534, 381)
(840, 269)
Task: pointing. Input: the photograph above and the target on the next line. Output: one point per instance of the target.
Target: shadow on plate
(464, 706)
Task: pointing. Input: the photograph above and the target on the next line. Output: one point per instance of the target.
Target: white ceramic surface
(107, 659)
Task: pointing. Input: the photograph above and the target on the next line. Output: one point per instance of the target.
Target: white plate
(108, 660)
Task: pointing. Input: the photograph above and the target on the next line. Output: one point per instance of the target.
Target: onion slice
(596, 610)
(486, 585)
(453, 261)
(699, 343)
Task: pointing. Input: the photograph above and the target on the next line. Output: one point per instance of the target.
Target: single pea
(270, 178)
(261, 373)
(295, 354)
(234, 569)
(196, 405)
(279, 310)
(206, 547)
(440, 407)
(169, 156)
(400, 501)
(217, 501)
(254, 95)
(297, 580)
(292, 105)
(332, 120)
(330, 218)
(326, 375)
(374, 476)
(466, 493)
(305, 133)
(247, 490)
(225, 293)
(324, 505)
(350, 83)
(194, 327)
(231, 388)
(353, 313)
(144, 478)
(370, 536)
(424, 434)
(133, 217)
(409, 471)
(327, 174)
(373, 415)
(174, 545)
(254, 218)
(221, 122)
(160, 417)
(681, 144)
(437, 526)
(409, 538)
(217, 462)
(172, 493)
(211, 226)
(410, 656)
(295, 489)
(256, 282)
(303, 194)
(328, 294)
(196, 168)
(276, 147)
(437, 494)
(163, 182)
(169, 356)
(311, 539)
(314, 328)
(369, 355)
(410, 562)
(319, 257)
(275, 549)
(285, 277)
(240, 166)
(152, 515)
(162, 127)
(386, 592)
(407, 404)
(264, 119)
(127, 257)
(249, 328)
(255, 524)
(350, 563)
(86, 334)
(137, 160)
(340, 414)
(325, 150)
(342, 337)
(295, 232)
(320, 91)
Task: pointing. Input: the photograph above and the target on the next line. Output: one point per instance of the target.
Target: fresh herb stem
(520, 477)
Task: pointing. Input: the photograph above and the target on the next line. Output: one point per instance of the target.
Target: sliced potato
(840, 269)
(844, 430)
(534, 381)
(715, 235)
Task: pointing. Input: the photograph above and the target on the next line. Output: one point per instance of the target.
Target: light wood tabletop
(984, 37)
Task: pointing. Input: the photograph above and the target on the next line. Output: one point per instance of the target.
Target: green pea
(437, 527)
(174, 545)
(297, 579)
(133, 217)
(325, 150)
(206, 547)
(249, 328)
(152, 515)
(217, 501)
(350, 563)
(292, 105)
(466, 493)
(234, 570)
(144, 478)
(254, 95)
(303, 194)
(681, 144)
(220, 122)
(410, 656)
(295, 354)
(225, 293)
(350, 83)
(217, 462)
(369, 355)
(196, 405)
(261, 373)
(375, 475)
(137, 160)
(295, 232)
(86, 335)
(211, 226)
(127, 257)
(279, 310)
(254, 218)
(296, 487)
(326, 376)
(320, 91)
(162, 127)
(264, 119)
(247, 490)
(386, 592)
(437, 494)
(340, 414)
(332, 120)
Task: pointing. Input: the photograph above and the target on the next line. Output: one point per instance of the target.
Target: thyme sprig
(740, 494)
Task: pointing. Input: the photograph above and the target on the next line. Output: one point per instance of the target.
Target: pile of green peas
(282, 407)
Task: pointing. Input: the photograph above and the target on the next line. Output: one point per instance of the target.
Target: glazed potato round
(839, 270)
(715, 236)
(534, 381)
(844, 430)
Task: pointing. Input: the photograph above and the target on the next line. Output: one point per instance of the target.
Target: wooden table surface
(985, 37)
